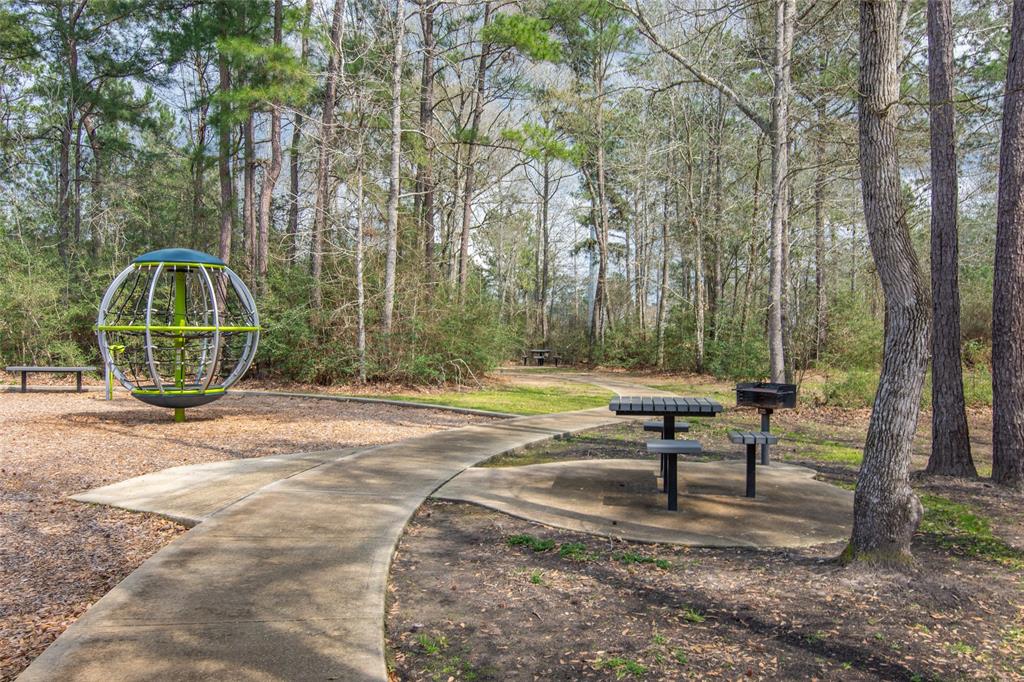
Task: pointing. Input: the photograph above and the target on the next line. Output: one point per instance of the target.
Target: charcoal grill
(767, 397)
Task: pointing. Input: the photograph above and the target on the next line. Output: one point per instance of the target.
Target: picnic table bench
(751, 439)
(540, 356)
(26, 370)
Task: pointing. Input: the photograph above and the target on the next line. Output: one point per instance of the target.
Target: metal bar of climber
(153, 373)
(180, 318)
(216, 329)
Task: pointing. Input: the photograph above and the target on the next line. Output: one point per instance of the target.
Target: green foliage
(528, 34)
(630, 557)
(43, 318)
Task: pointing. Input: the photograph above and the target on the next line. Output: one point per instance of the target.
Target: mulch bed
(58, 556)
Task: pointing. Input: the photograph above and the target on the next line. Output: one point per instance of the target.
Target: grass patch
(961, 530)
(629, 558)
(432, 646)
(622, 667)
(691, 615)
(534, 543)
(523, 400)
(575, 551)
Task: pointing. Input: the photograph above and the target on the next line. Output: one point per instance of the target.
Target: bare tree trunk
(467, 197)
(821, 293)
(334, 61)
(784, 19)
(249, 193)
(886, 510)
(360, 289)
(394, 183)
(227, 186)
(271, 174)
(951, 444)
(425, 171)
(294, 154)
(545, 249)
(748, 280)
(1007, 312)
(663, 286)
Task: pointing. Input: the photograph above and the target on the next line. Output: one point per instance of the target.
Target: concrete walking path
(287, 583)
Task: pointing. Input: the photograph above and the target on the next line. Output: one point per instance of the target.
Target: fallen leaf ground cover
(479, 595)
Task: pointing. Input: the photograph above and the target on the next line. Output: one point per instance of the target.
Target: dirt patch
(58, 556)
(466, 604)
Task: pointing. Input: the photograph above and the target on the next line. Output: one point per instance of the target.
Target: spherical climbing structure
(177, 328)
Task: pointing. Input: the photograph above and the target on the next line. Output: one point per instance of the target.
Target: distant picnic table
(25, 370)
(540, 356)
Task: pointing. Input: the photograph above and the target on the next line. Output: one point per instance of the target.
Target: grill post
(766, 426)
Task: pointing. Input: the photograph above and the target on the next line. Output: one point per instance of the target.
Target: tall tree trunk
(821, 293)
(199, 154)
(467, 197)
(425, 170)
(886, 511)
(271, 173)
(662, 321)
(951, 445)
(755, 219)
(1007, 312)
(95, 187)
(249, 193)
(295, 153)
(360, 288)
(334, 60)
(784, 19)
(227, 186)
(545, 248)
(394, 181)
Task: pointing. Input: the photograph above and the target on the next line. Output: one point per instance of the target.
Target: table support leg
(668, 432)
(24, 382)
(751, 469)
(673, 485)
(766, 426)
(78, 381)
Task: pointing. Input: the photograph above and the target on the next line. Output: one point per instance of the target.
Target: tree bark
(227, 188)
(249, 193)
(394, 183)
(951, 445)
(295, 153)
(784, 18)
(820, 290)
(663, 284)
(324, 155)
(886, 510)
(272, 172)
(1007, 311)
(467, 197)
(425, 170)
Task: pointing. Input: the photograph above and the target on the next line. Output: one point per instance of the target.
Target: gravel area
(58, 556)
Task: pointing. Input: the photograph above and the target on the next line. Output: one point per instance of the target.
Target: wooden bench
(751, 439)
(670, 451)
(26, 370)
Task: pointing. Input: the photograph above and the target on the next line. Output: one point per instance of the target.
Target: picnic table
(540, 356)
(668, 409)
(26, 370)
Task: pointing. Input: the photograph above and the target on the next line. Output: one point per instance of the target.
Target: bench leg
(664, 474)
(751, 470)
(24, 382)
(766, 426)
(78, 381)
(673, 483)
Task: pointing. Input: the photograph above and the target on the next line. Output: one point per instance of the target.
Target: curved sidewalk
(289, 582)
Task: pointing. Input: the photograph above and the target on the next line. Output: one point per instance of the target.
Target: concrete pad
(620, 498)
(246, 650)
(188, 494)
(286, 582)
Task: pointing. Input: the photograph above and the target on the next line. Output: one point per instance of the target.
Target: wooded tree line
(419, 189)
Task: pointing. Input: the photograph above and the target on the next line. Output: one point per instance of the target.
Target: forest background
(417, 191)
